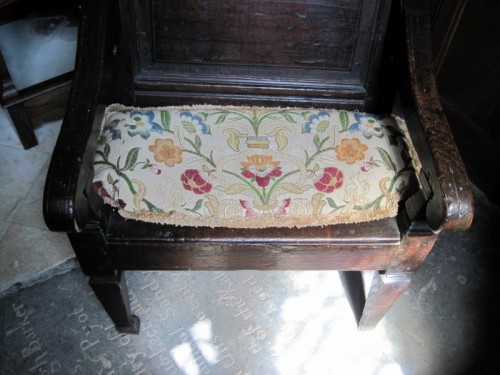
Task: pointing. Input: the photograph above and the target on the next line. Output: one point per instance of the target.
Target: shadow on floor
(266, 322)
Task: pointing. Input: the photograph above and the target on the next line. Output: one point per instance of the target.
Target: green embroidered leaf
(386, 158)
(332, 204)
(107, 149)
(289, 118)
(305, 114)
(236, 189)
(198, 204)
(322, 126)
(344, 120)
(109, 179)
(166, 120)
(197, 142)
(131, 158)
(291, 188)
(316, 141)
(221, 118)
(188, 126)
(205, 115)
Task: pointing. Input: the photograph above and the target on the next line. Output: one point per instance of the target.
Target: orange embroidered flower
(351, 150)
(165, 151)
(261, 168)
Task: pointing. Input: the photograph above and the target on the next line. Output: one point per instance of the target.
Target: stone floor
(231, 322)
(264, 322)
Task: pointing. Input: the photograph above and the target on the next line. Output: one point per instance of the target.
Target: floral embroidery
(143, 124)
(165, 151)
(255, 210)
(261, 168)
(100, 188)
(317, 123)
(193, 124)
(153, 168)
(367, 165)
(115, 133)
(192, 181)
(331, 179)
(351, 150)
(368, 125)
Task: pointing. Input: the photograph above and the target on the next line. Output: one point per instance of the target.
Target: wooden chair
(350, 55)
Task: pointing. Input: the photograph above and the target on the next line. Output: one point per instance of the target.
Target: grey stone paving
(265, 322)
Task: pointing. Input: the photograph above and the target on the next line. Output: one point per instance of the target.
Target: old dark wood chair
(356, 55)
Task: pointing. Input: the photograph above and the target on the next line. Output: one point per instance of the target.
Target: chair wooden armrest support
(450, 207)
(69, 178)
(109, 69)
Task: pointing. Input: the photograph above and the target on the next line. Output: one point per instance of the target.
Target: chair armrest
(69, 177)
(450, 200)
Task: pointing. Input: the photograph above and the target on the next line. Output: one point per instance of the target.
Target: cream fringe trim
(262, 221)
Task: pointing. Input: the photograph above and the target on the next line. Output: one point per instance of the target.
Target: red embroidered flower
(331, 179)
(367, 165)
(278, 209)
(99, 188)
(192, 181)
(262, 168)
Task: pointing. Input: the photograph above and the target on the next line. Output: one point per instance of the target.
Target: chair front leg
(383, 293)
(112, 292)
(108, 284)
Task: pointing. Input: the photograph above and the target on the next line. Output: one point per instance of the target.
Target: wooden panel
(304, 52)
(285, 33)
(139, 245)
(249, 256)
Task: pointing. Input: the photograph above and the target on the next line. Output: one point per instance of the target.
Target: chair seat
(252, 167)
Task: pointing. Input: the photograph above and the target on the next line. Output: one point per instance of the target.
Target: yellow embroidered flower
(262, 168)
(165, 151)
(351, 150)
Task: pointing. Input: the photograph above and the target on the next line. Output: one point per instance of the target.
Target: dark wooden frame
(106, 244)
(41, 102)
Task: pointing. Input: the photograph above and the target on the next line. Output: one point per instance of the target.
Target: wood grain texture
(65, 203)
(321, 53)
(384, 292)
(450, 207)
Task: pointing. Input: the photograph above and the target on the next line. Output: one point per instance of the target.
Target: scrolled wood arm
(69, 177)
(450, 204)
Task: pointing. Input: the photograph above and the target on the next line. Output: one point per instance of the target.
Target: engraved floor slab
(265, 322)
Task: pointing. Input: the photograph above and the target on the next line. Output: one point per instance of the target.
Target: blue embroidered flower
(115, 133)
(193, 124)
(143, 124)
(317, 123)
(368, 125)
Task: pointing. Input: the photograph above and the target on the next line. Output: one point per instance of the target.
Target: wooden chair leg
(354, 288)
(109, 284)
(17, 112)
(113, 294)
(384, 291)
(23, 125)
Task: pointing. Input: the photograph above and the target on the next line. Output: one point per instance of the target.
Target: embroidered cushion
(251, 167)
